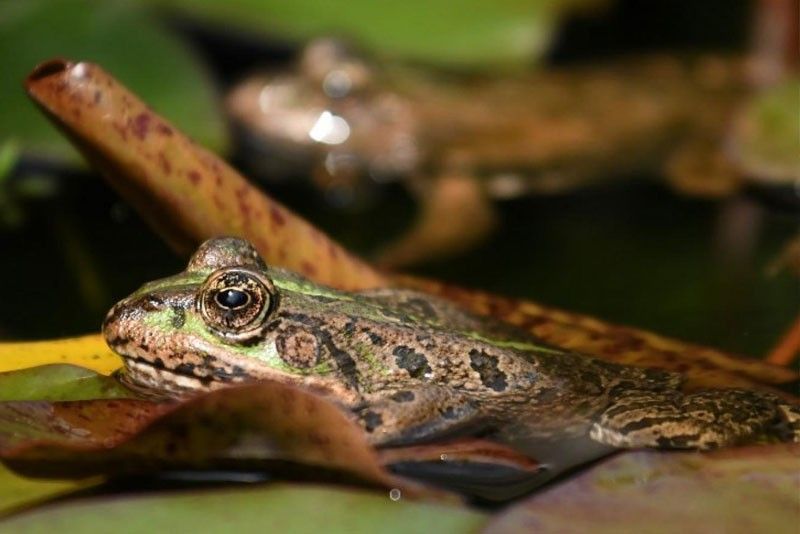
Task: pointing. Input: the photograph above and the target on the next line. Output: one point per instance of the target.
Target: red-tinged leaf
(184, 191)
(752, 489)
(256, 427)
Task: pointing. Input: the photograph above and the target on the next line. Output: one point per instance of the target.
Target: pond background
(630, 252)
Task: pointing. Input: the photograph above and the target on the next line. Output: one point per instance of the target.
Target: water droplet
(395, 494)
(330, 129)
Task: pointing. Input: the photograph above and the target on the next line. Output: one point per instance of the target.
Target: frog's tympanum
(407, 366)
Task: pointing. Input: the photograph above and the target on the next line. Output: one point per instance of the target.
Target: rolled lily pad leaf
(118, 35)
(752, 489)
(265, 426)
(277, 508)
(17, 492)
(184, 191)
(470, 33)
(59, 382)
(704, 367)
(89, 351)
(765, 136)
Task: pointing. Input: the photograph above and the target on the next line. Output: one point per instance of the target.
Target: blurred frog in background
(458, 141)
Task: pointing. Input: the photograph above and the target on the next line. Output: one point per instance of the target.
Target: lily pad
(17, 491)
(278, 508)
(466, 33)
(120, 36)
(59, 383)
(751, 489)
(262, 426)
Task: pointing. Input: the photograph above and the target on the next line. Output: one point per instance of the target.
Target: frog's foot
(405, 416)
(703, 420)
(455, 215)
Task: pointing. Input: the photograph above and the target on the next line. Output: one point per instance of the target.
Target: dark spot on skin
(97, 97)
(415, 363)
(350, 328)
(403, 396)
(376, 339)
(187, 369)
(486, 366)
(372, 420)
(178, 317)
(227, 376)
(449, 413)
(158, 363)
(141, 125)
(195, 177)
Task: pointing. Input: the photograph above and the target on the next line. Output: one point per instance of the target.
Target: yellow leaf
(88, 351)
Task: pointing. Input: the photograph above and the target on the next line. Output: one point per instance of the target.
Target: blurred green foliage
(462, 33)
(768, 133)
(123, 39)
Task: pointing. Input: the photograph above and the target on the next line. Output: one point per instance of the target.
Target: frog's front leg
(703, 420)
(455, 215)
(402, 416)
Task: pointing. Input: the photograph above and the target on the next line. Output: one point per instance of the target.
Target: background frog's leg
(402, 416)
(455, 214)
(704, 420)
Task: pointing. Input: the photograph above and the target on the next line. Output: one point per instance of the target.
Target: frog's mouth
(140, 373)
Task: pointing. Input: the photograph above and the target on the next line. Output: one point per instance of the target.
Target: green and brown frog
(409, 367)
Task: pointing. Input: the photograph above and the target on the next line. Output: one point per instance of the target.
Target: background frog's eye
(235, 302)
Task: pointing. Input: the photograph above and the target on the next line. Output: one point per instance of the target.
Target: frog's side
(408, 366)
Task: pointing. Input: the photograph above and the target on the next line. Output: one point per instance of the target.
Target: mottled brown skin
(408, 366)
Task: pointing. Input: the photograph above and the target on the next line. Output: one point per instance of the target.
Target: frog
(408, 367)
(458, 142)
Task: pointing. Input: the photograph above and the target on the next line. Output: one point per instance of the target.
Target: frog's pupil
(232, 298)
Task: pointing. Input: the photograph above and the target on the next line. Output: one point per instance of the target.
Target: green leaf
(454, 32)
(121, 38)
(59, 382)
(279, 508)
(17, 491)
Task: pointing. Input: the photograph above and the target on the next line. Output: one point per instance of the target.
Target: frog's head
(211, 325)
(330, 117)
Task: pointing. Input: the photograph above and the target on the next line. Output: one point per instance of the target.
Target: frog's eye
(235, 302)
